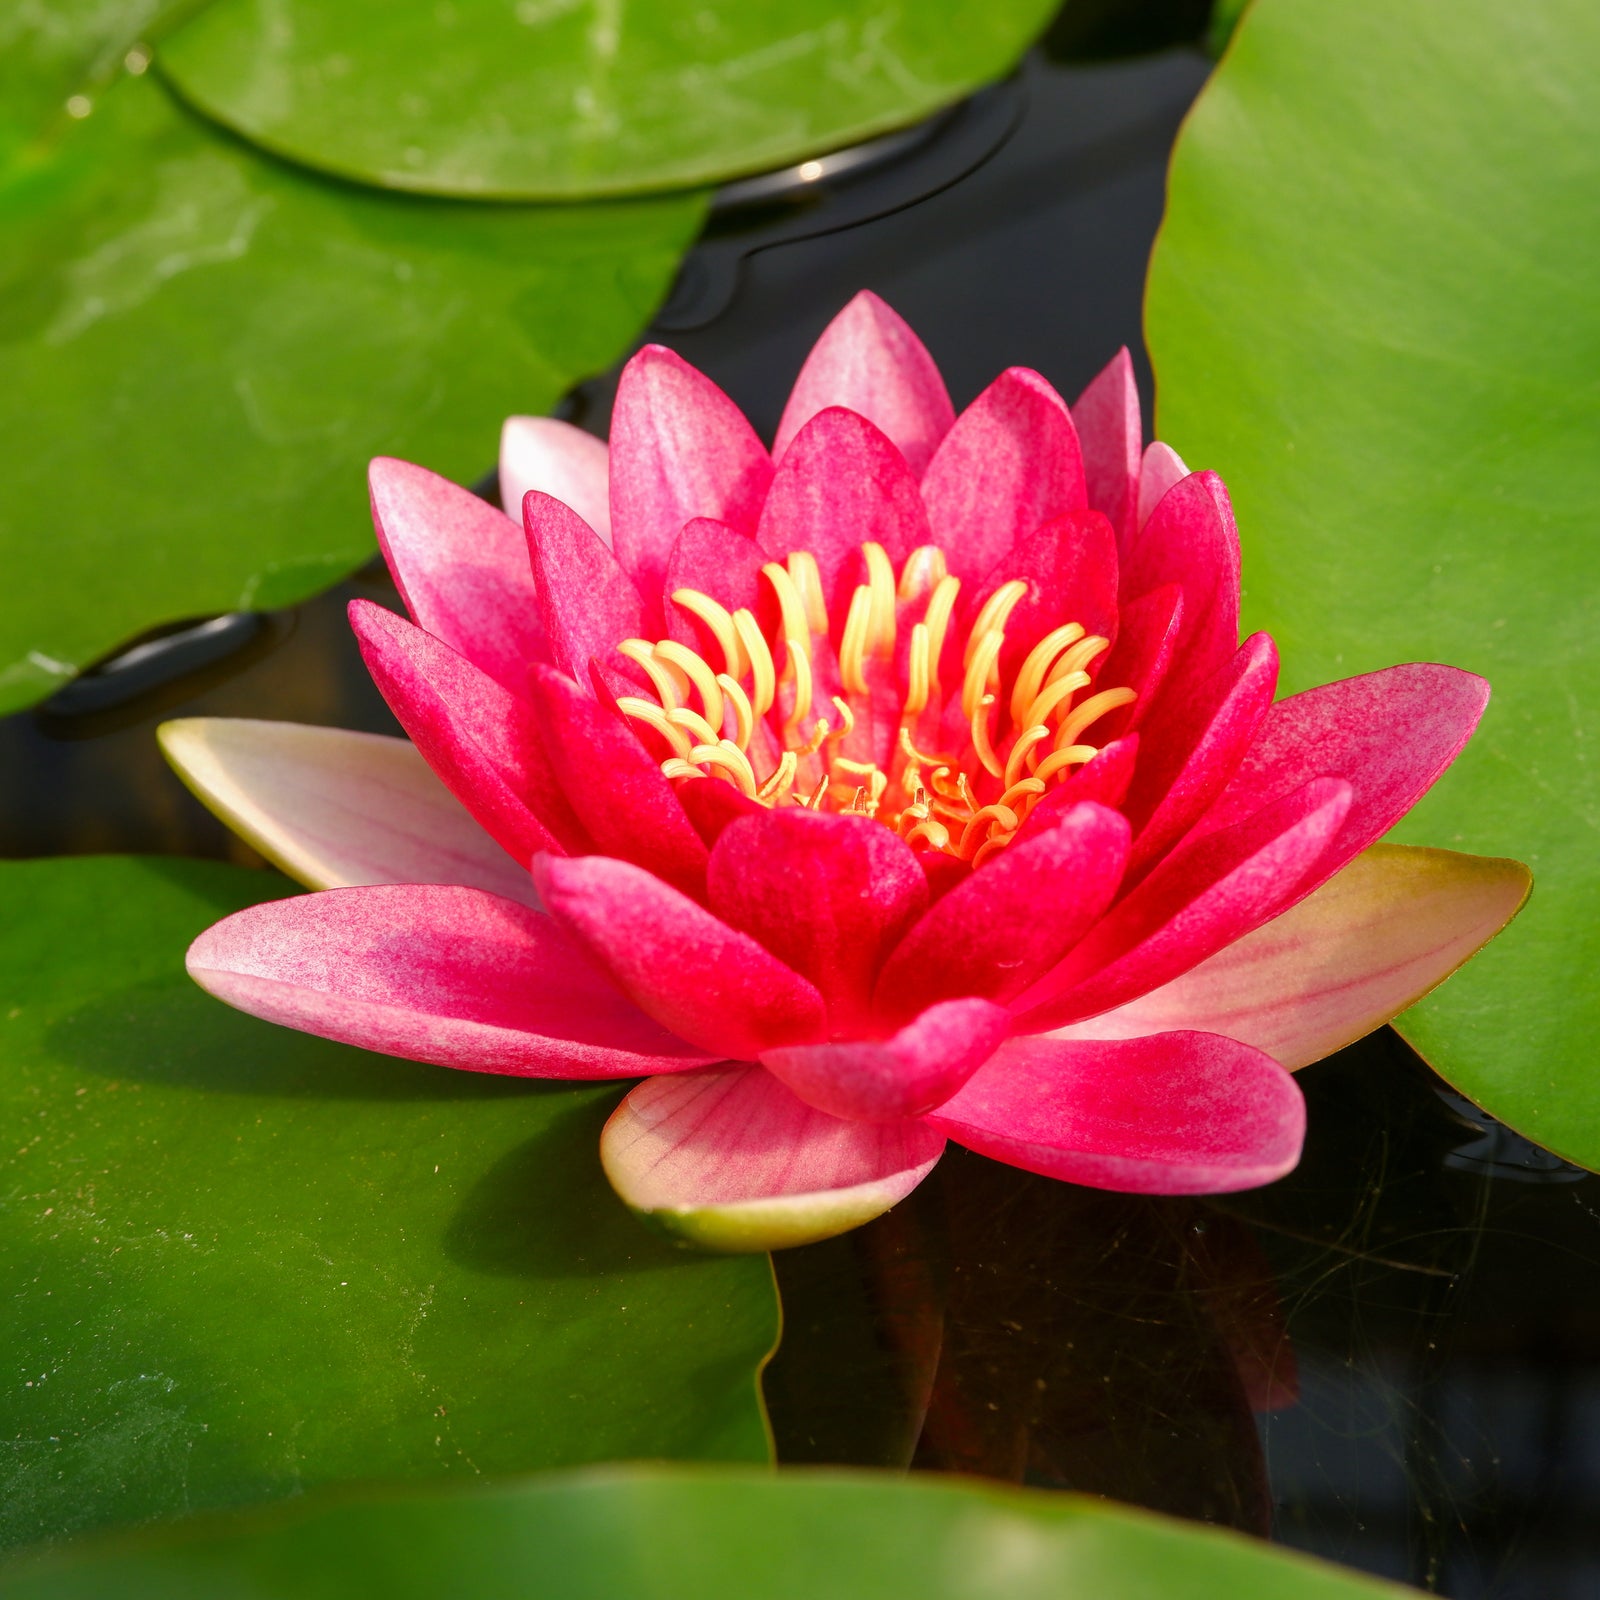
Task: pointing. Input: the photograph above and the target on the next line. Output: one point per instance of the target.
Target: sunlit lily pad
(1372, 309)
(201, 347)
(662, 1534)
(242, 1262)
(543, 98)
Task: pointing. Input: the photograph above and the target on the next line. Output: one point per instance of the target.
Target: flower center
(862, 723)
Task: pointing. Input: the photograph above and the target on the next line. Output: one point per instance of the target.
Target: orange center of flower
(949, 775)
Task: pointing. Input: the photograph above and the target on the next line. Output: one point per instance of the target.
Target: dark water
(1393, 1356)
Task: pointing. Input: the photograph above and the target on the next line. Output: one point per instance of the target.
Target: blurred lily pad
(242, 1262)
(1372, 309)
(663, 1534)
(201, 346)
(571, 98)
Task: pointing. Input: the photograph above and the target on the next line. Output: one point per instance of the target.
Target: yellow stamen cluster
(763, 725)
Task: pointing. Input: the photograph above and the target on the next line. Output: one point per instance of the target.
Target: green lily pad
(201, 347)
(661, 1534)
(1372, 309)
(241, 1262)
(538, 99)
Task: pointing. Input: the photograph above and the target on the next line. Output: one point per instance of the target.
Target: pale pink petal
(912, 1071)
(1110, 432)
(840, 484)
(478, 737)
(1370, 942)
(680, 448)
(616, 788)
(1191, 540)
(555, 458)
(589, 604)
(829, 895)
(870, 362)
(1010, 463)
(433, 973)
(334, 808)
(1161, 468)
(461, 567)
(1388, 734)
(1205, 895)
(731, 1160)
(1174, 1113)
(1012, 919)
(707, 982)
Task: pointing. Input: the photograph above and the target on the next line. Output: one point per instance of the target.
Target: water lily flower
(904, 783)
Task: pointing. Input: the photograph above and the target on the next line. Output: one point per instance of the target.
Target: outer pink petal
(1370, 942)
(842, 483)
(1010, 463)
(731, 1160)
(707, 982)
(1161, 468)
(918, 1068)
(829, 895)
(589, 604)
(711, 804)
(477, 736)
(433, 973)
(680, 448)
(1110, 432)
(1195, 744)
(1174, 1113)
(461, 567)
(1148, 630)
(870, 362)
(1012, 919)
(557, 459)
(1388, 734)
(333, 808)
(1191, 540)
(1199, 900)
(1103, 780)
(616, 788)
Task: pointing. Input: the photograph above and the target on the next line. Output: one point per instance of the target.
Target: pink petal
(1205, 895)
(1174, 1113)
(1194, 746)
(1161, 468)
(588, 603)
(920, 1067)
(1010, 463)
(477, 736)
(1370, 942)
(1104, 780)
(555, 458)
(615, 786)
(461, 567)
(842, 483)
(1388, 734)
(711, 804)
(870, 362)
(715, 560)
(432, 973)
(1147, 641)
(1191, 540)
(829, 895)
(680, 448)
(1012, 919)
(333, 808)
(1110, 432)
(694, 974)
(1070, 567)
(731, 1160)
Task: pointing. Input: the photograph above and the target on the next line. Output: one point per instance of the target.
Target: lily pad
(242, 1262)
(201, 347)
(570, 98)
(1372, 309)
(662, 1534)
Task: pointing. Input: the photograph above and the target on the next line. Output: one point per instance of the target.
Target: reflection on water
(1392, 1357)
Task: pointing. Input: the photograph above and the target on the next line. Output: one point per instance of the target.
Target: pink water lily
(905, 783)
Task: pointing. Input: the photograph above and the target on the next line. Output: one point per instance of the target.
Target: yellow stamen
(924, 570)
(677, 767)
(853, 645)
(1080, 655)
(727, 755)
(814, 800)
(933, 834)
(994, 613)
(800, 669)
(683, 717)
(807, 579)
(1046, 703)
(1023, 789)
(980, 736)
(847, 720)
(940, 606)
(1073, 756)
(719, 621)
(698, 673)
(982, 822)
(919, 673)
(744, 716)
(980, 667)
(763, 674)
(1090, 712)
(655, 718)
(880, 581)
(666, 684)
(1026, 740)
(781, 782)
(993, 845)
(1030, 675)
(791, 608)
